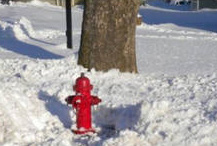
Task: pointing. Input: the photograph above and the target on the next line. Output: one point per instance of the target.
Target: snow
(172, 101)
(180, 2)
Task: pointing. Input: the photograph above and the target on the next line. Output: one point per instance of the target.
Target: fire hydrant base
(83, 131)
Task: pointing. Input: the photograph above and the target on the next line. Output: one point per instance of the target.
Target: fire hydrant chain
(81, 103)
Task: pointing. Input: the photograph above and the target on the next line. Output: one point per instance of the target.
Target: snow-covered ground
(172, 101)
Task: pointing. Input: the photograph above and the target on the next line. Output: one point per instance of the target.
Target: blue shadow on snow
(113, 120)
(56, 108)
(204, 20)
(10, 42)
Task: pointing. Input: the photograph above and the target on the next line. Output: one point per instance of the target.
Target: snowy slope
(177, 42)
(171, 102)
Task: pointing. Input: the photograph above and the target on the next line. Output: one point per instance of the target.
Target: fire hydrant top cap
(83, 82)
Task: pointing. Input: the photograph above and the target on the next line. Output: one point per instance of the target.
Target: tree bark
(108, 35)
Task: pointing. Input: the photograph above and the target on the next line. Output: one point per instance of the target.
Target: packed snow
(171, 101)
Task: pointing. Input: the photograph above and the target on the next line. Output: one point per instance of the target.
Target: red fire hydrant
(82, 102)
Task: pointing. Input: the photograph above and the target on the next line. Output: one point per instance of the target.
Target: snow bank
(25, 116)
(23, 29)
(157, 111)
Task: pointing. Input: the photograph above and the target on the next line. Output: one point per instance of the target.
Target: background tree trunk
(108, 35)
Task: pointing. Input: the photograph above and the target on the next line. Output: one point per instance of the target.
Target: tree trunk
(108, 35)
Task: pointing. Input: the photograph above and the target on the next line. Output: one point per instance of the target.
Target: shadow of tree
(112, 120)
(56, 108)
(10, 42)
(120, 118)
(167, 5)
(205, 20)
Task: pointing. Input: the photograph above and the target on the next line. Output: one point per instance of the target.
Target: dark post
(68, 23)
(5, 2)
